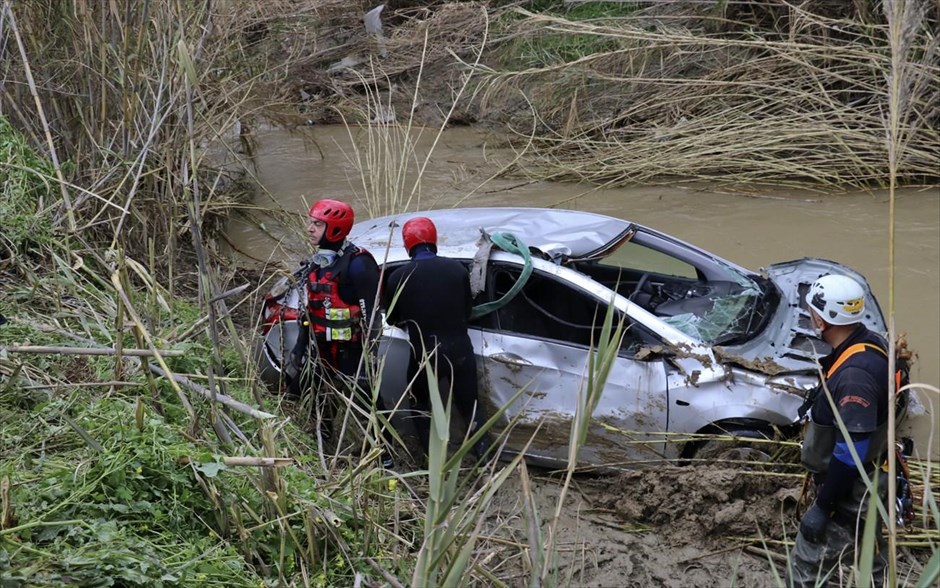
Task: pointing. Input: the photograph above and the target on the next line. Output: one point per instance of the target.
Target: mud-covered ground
(677, 527)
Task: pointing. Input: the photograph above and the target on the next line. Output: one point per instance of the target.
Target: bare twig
(43, 349)
(206, 393)
(262, 462)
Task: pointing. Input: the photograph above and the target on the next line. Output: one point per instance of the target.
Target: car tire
(738, 451)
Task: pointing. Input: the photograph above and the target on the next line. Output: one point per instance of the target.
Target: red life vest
(331, 318)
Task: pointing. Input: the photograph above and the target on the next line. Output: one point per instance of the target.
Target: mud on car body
(708, 345)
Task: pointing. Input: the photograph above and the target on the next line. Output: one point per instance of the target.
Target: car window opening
(548, 309)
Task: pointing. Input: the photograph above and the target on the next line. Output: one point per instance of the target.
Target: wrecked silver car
(709, 346)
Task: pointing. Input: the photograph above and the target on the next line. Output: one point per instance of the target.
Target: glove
(813, 525)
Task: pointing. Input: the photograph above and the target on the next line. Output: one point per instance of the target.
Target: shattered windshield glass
(702, 296)
(719, 311)
(717, 324)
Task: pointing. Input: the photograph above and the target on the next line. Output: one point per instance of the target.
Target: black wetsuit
(434, 302)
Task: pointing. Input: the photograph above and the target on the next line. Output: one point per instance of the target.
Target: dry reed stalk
(236, 461)
(145, 335)
(121, 127)
(103, 384)
(47, 132)
(177, 379)
(796, 107)
(45, 349)
(207, 291)
(903, 18)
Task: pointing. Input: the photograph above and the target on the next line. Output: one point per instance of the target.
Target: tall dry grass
(139, 106)
(766, 92)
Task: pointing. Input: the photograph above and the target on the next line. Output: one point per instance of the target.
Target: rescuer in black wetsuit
(434, 302)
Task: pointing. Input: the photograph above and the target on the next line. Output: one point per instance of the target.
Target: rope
(509, 243)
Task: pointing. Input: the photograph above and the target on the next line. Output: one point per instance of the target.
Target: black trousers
(456, 370)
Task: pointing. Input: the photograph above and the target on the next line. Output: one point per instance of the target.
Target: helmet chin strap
(331, 245)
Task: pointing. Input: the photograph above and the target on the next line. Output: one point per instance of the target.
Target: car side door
(540, 342)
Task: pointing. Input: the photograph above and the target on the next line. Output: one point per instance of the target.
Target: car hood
(583, 235)
(788, 343)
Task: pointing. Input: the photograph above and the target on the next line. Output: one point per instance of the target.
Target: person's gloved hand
(813, 525)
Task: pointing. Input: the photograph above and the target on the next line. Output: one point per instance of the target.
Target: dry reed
(765, 94)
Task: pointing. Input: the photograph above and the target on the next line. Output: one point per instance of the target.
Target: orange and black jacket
(857, 380)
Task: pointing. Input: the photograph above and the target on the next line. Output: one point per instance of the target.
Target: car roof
(585, 234)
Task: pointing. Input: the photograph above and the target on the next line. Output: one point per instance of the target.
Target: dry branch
(210, 395)
(42, 349)
(263, 462)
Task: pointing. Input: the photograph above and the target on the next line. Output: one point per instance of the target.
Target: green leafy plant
(26, 192)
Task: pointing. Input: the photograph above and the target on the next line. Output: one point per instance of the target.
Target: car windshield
(704, 298)
(730, 314)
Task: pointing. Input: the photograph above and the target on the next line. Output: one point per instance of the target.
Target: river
(751, 228)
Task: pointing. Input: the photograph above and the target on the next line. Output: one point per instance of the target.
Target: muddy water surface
(753, 229)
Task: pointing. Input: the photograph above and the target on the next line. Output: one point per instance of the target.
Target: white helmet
(839, 300)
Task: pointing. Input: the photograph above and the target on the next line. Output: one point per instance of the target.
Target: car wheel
(734, 447)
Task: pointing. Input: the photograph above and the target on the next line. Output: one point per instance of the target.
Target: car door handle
(510, 358)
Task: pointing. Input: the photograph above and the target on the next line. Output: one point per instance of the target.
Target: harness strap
(858, 348)
(849, 352)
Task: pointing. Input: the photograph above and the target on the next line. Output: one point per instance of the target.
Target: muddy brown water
(751, 228)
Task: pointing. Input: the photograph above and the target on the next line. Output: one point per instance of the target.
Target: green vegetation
(100, 495)
(581, 10)
(110, 478)
(117, 506)
(27, 186)
(547, 48)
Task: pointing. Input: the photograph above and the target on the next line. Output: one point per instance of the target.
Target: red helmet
(417, 231)
(338, 216)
